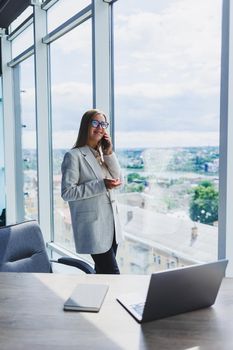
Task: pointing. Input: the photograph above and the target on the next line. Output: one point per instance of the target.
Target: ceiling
(9, 11)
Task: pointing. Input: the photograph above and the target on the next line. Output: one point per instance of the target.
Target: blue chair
(3, 217)
(22, 249)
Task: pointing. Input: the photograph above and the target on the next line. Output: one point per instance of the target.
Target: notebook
(86, 297)
(176, 291)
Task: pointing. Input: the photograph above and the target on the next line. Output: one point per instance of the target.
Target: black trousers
(106, 262)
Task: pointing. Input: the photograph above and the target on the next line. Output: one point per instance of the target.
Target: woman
(90, 173)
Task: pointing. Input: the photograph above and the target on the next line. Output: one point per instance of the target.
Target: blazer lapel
(91, 160)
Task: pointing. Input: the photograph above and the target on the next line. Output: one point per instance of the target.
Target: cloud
(24, 40)
(135, 139)
(70, 91)
(186, 113)
(174, 51)
(64, 140)
(167, 68)
(61, 140)
(165, 139)
(149, 90)
(69, 102)
(77, 39)
(63, 10)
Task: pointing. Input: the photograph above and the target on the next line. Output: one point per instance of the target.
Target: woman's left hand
(112, 183)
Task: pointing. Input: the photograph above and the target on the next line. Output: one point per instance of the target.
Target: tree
(132, 177)
(204, 203)
(133, 187)
(135, 177)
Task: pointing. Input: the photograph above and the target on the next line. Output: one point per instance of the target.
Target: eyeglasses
(96, 123)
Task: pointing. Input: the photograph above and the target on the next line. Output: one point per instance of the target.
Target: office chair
(22, 249)
(3, 217)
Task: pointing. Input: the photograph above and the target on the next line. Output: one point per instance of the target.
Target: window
(20, 19)
(166, 121)
(71, 79)
(62, 10)
(22, 41)
(29, 145)
(167, 93)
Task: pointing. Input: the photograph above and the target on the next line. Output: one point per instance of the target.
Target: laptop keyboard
(138, 307)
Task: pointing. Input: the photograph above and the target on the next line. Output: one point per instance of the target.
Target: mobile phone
(104, 143)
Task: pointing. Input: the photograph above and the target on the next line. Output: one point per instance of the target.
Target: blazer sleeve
(113, 165)
(71, 189)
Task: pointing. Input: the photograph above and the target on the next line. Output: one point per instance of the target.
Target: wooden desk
(32, 317)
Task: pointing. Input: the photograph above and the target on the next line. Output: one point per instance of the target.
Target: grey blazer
(93, 209)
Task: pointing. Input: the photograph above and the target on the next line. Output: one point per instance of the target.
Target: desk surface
(32, 317)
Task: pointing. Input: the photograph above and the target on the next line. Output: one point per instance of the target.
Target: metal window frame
(112, 81)
(111, 69)
(48, 3)
(102, 58)
(43, 124)
(70, 24)
(18, 145)
(21, 57)
(9, 132)
(225, 238)
(24, 25)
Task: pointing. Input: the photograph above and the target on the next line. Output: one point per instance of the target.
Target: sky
(168, 66)
(167, 74)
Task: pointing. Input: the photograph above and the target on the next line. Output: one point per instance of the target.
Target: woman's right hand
(112, 183)
(106, 144)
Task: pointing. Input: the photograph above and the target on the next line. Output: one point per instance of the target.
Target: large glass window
(62, 10)
(29, 145)
(20, 19)
(22, 41)
(167, 93)
(71, 79)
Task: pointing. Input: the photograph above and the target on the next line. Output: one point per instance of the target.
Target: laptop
(176, 291)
